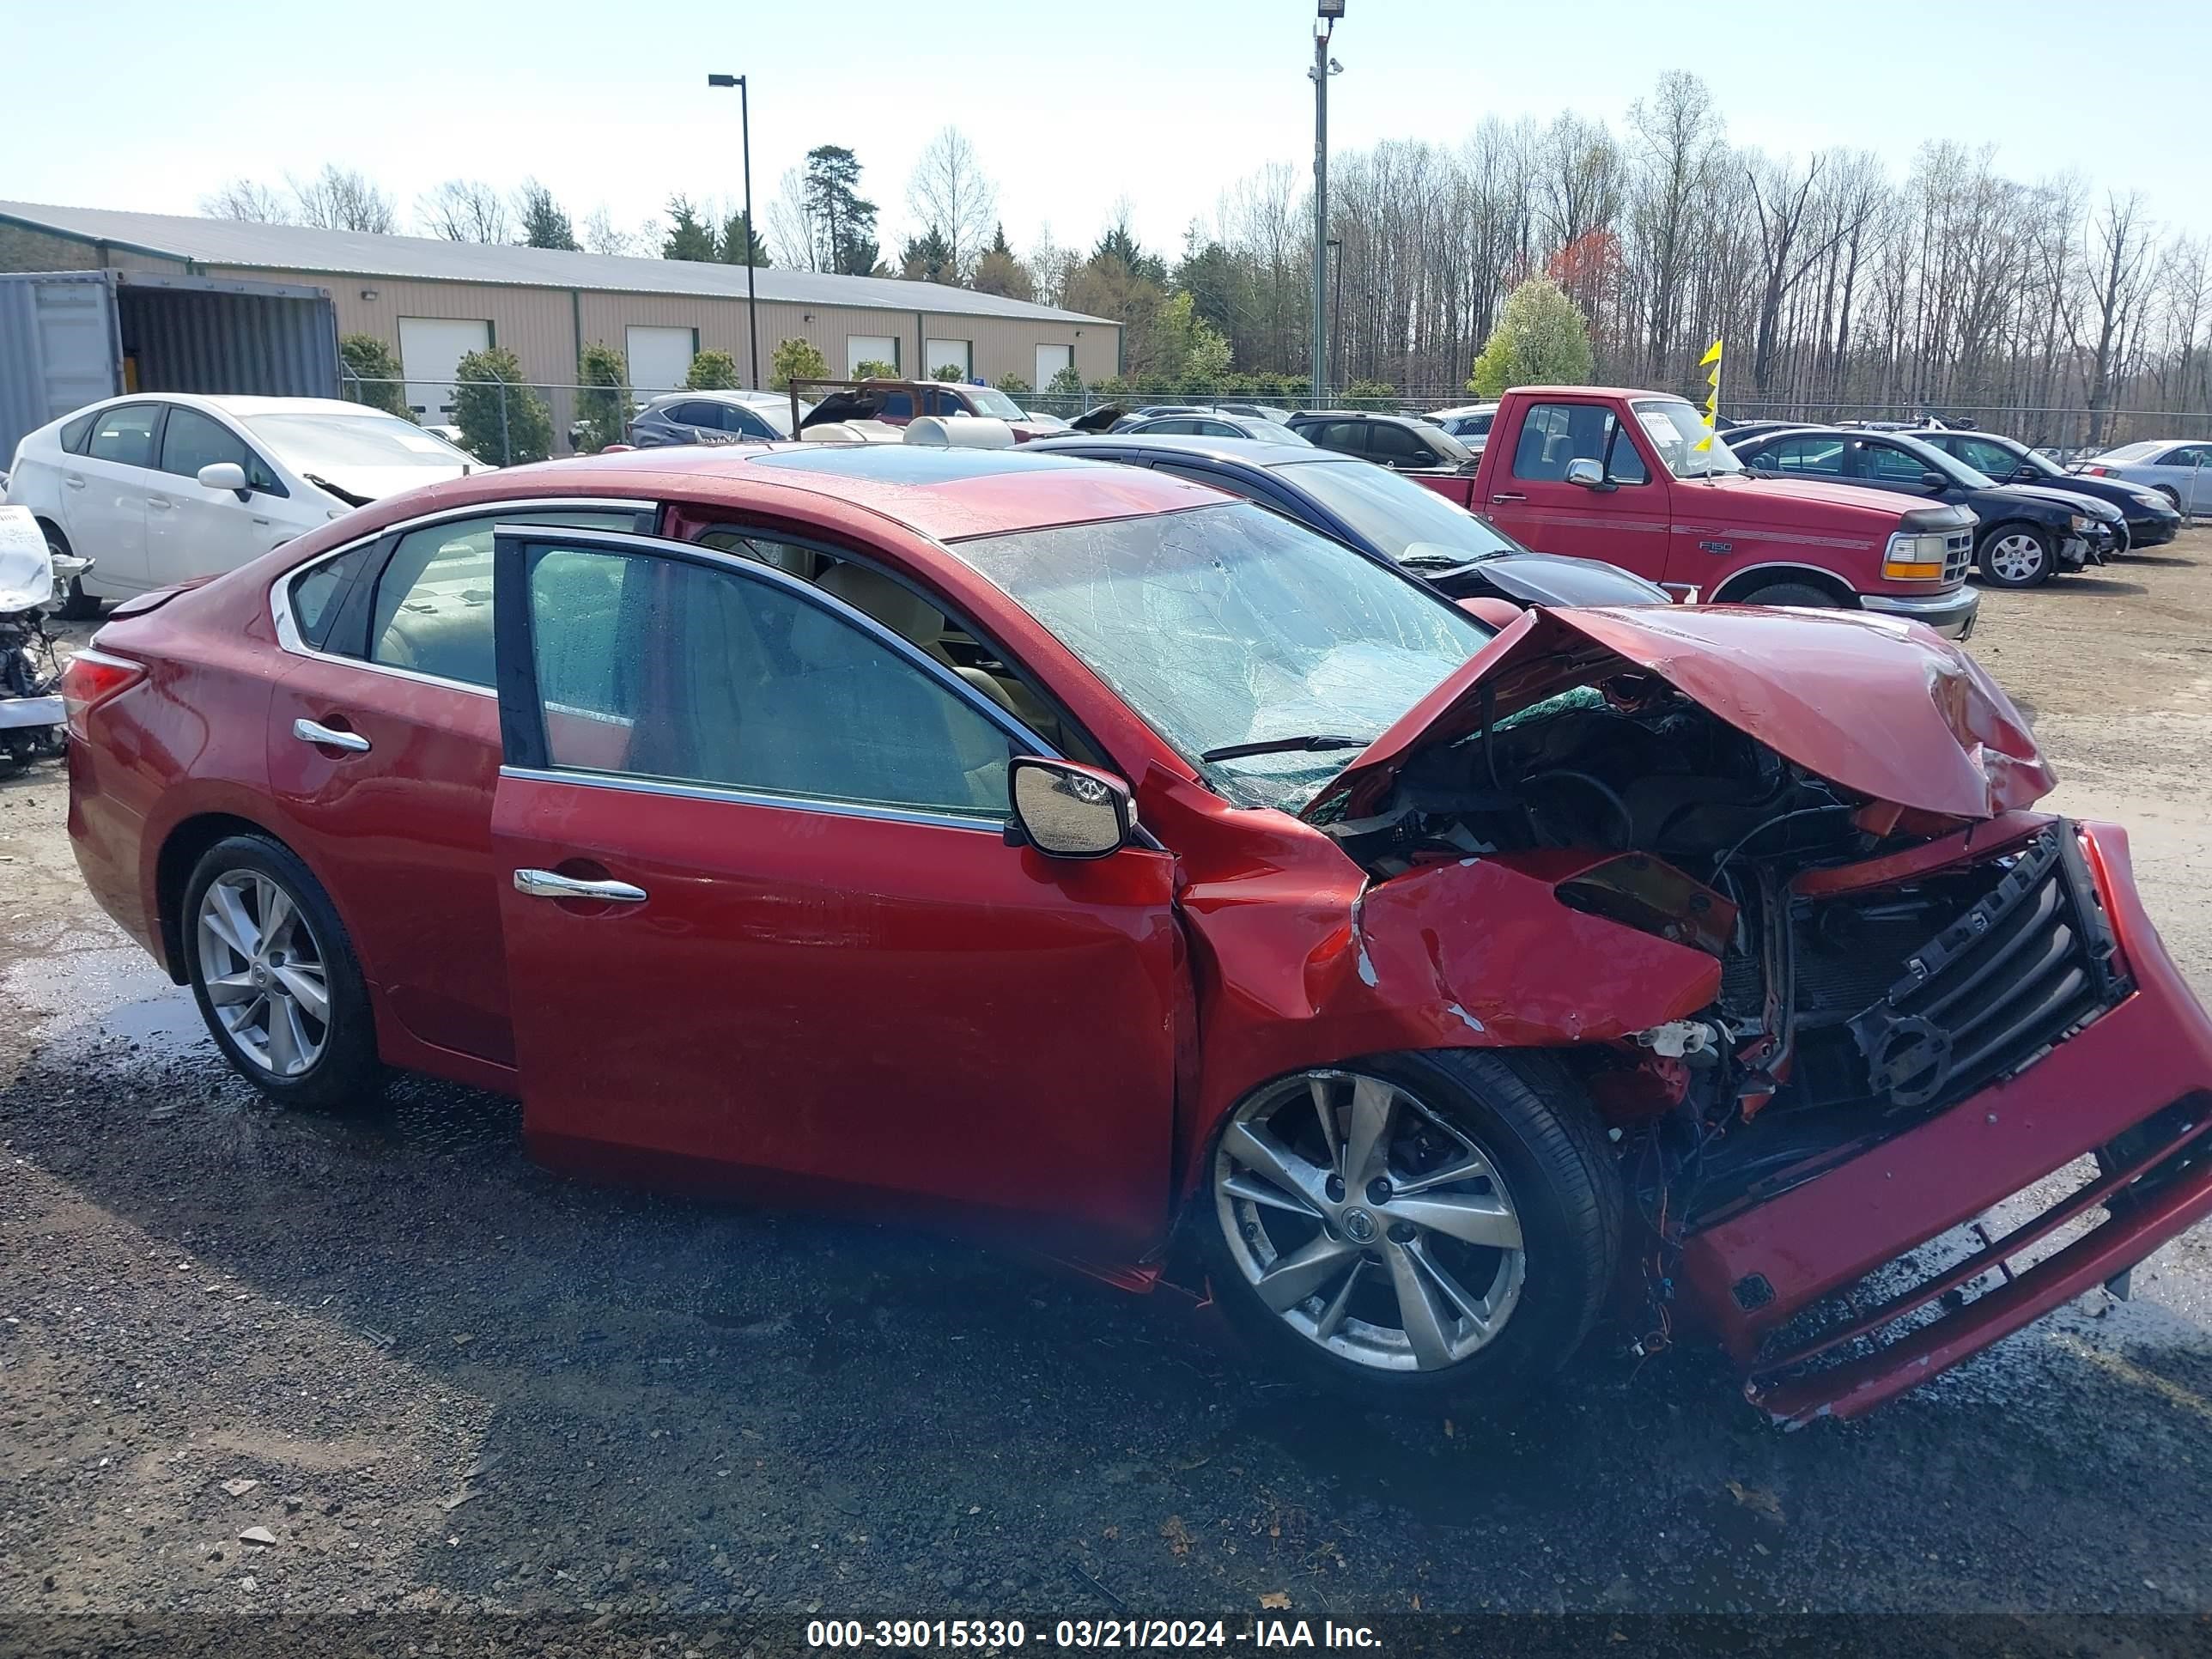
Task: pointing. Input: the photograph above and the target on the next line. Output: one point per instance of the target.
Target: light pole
(746, 129)
(1323, 67)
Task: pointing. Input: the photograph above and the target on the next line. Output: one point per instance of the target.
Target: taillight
(91, 679)
(2096, 471)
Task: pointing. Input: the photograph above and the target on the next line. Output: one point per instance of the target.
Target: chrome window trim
(993, 826)
(280, 591)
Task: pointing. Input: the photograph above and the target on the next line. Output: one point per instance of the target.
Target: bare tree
(1049, 264)
(342, 198)
(2119, 253)
(1679, 133)
(949, 194)
(248, 202)
(790, 227)
(602, 235)
(466, 211)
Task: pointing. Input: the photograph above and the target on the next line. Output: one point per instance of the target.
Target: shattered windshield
(1223, 626)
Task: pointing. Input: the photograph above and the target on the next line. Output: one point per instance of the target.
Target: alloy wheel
(2016, 557)
(1367, 1224)
(263, 969)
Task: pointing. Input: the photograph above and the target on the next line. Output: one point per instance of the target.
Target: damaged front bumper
(1814, 1292)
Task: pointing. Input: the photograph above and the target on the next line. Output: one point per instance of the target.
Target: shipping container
(71, 337)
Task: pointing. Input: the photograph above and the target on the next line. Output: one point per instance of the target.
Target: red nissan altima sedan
(1070, 850)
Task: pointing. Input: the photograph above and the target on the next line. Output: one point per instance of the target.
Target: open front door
(760, 914)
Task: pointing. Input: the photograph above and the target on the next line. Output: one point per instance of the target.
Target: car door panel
(871, 997)
(400, 833)
(1627, 524)
(107, 487)
(192, 531)
(769, 1007)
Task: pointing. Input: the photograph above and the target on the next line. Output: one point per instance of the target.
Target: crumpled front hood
(1883, 708)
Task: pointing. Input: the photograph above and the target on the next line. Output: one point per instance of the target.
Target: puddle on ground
(98, 992)
(107, 1006)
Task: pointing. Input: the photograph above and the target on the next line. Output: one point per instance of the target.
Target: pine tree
(689, 237)
(544, 223)
(844, 220)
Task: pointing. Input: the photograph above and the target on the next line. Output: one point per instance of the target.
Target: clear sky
(1072, 103)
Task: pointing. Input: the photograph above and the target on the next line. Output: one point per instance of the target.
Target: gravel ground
(442, 1381)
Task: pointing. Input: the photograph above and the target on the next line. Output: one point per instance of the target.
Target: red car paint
(1717, 538)
(1085, 1026)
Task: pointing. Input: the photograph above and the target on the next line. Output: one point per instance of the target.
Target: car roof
(1254, 452)
(239, 408)
(724, 394)
(1360, 415)
(944, 493)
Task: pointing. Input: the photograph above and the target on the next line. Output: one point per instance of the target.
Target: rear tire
(1489, 1294)
(275, 977)
(2016, 555)
(78, 605)
(1799, 594)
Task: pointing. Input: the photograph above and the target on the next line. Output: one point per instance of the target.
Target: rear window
(74, 432)
(125, 434)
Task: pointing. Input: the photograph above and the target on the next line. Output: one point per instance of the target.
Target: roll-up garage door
(1050, 360)
(430, 349)
(870, 348)
(659, 358)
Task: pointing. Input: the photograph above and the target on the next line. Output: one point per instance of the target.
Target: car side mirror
(1934, 482)
(224, 474)
(2024, 475)
(1070, 812)
(1586, 474)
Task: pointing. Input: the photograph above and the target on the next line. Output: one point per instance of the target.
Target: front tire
(1415, 1228)
(2016, 555)
(275, 977)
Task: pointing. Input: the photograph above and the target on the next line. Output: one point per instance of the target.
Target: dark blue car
(1384, 516)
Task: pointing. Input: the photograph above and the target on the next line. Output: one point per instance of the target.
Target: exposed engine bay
(1849, 1007)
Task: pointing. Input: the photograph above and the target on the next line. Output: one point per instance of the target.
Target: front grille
(2022, 968)
(1958, 554)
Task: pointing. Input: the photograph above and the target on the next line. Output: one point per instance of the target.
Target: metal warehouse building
(434, 300)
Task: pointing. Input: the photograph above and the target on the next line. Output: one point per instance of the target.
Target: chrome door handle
(312, 732)
(1508, 495)
(544, 884)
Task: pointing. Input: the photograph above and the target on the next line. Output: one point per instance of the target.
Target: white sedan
(2179, 469)
(159, 488)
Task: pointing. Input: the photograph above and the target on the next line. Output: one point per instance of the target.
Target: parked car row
(2024, 533)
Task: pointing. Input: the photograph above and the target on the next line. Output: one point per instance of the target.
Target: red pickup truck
(1629, 477)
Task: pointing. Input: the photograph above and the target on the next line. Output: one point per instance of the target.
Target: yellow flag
(1711, 358)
